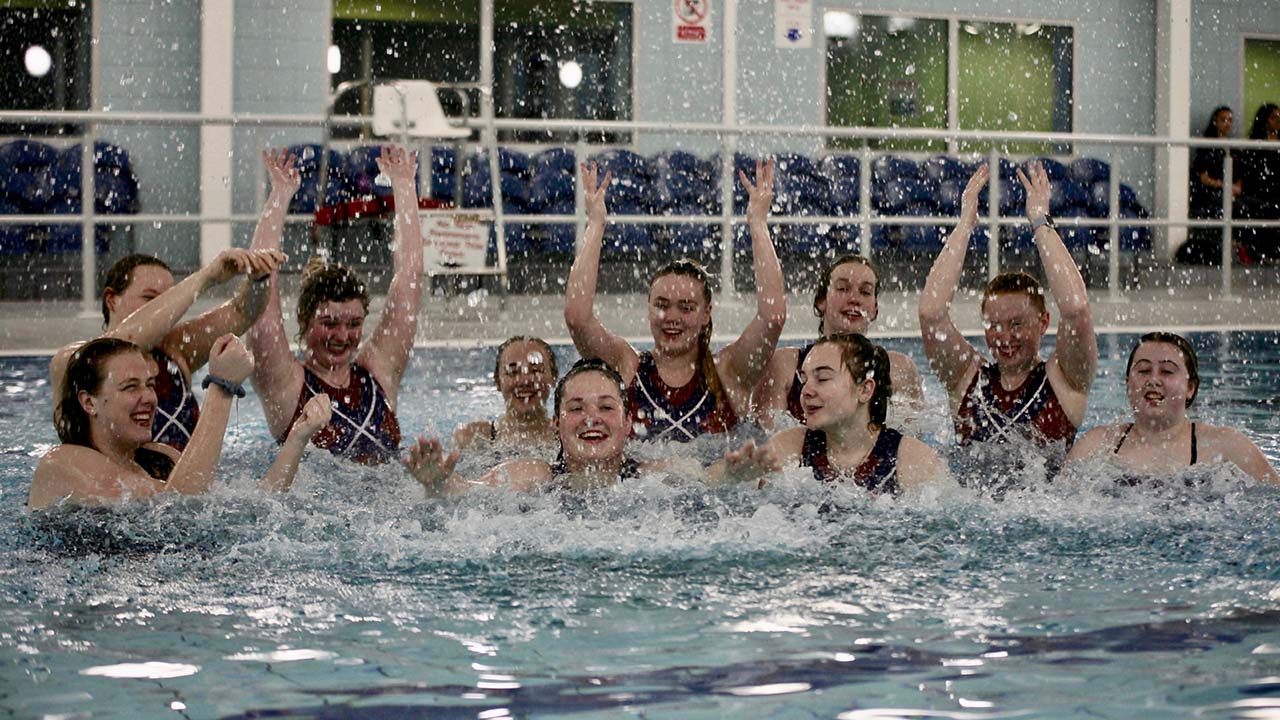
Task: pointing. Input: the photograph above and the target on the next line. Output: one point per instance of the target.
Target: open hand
(759, 194)
(398, 164)
(282, 167)
(972, 191)
(594, 191)
(751, 463)
(1036, 182)
(428, 463)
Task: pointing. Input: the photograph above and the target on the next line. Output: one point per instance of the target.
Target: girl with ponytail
(845, 398)
(681, 389)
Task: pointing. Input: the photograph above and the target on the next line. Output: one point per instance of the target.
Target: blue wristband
(231, 388)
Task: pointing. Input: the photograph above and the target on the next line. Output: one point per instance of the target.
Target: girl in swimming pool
(1162, 379)
(363, 381)
(525, 372)
(845, 396)
(680, 389)
(592, 426)
(104, 412)
(847, 301)
(142, 305)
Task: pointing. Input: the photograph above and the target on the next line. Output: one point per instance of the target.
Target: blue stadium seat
(1087, 171)
(1054, 170)
(1074, 237)
(632, 182)
(1064, 194)
(552, 182)
(360, 171)
(1099, 198)
(26, 174)
(942, 168)
(477, 191)
(336, 190)
(14, 239)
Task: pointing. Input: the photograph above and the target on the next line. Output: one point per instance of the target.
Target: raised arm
(387, 354)
(590, 336)
(951, 356)
(1077, 348)
(274, 364)
(193, 339)
(742, 362)
(315, 415)
(197, 468)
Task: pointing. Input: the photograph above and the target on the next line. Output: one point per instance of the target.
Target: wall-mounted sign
(793, 23)
(453, 244)
(690, 21)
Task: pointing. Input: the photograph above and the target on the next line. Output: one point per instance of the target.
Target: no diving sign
(690, 20)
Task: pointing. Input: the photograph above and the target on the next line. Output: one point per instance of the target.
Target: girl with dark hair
(142, 305)
(362, 381)
(104, 412)
(847, 301)
(1207, 168)
(845, 397)
(524, 372)
(592, 426)
(1260, 175)
(680, 389)
(1162, 379)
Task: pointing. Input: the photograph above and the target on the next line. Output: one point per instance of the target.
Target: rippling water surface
(354, 597)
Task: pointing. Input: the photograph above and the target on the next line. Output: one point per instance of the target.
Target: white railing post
(1228, 236)
(993, 213)
(864, 200)
(88, 239)
(1113, 229)
(728, 143)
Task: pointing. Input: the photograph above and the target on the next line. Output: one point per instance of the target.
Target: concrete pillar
(1173, 115)
(217, 93)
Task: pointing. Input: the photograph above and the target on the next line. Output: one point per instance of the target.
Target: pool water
(352, 597)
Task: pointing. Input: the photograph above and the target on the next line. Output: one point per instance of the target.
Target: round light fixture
(38, 61)
(570, 73)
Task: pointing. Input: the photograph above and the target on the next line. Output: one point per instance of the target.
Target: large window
(557, 59)
(892, 72)
(1261, 79)
(44, 60)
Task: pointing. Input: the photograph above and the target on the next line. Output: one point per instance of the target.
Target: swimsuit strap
(1193, 443)
(1124, 435)
(493, 431)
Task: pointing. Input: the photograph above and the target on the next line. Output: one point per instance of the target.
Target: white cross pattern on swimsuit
(664, 415)
(171, 420)
(997, 419)
(360, 427)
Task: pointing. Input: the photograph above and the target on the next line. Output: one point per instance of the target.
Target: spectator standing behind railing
(362, 382)
(1204, 245)
(1017, 397)
(1260, 197)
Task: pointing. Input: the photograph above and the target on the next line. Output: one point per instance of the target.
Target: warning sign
(690, 20)
(453, 244)
(793, 23)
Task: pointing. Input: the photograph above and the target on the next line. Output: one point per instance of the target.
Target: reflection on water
(353, 597)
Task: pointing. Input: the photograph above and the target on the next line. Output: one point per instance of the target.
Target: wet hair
(86, 370)
(1015, 281)
(1211, 130)
(820, 295)
(323, 281)
(586, 366)
(1258, 131)
(706, 359)
(1184, 347)
(551, 356)
(866, 361)
(120, 276)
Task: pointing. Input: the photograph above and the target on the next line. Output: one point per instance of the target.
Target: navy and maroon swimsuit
(176, 410)
(364, 428)
(989, 413)
(679, 414)
(793, 393)
(878, 473)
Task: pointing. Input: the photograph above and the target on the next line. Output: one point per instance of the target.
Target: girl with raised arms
(847, 301)
(363, 382)
(104, 411)
(680, 389)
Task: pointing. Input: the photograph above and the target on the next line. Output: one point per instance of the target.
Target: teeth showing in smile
(591, 435)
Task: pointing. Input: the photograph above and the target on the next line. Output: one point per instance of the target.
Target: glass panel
(1015, 77)
(1261, 80)
(44, 62)
(886, 72)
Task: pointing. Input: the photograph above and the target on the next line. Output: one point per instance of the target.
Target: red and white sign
(690, 21)
(452, 243)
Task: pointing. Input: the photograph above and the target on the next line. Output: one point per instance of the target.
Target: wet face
(125, 405)
(850, 305)
(677, 314)
(1158, 384)
(1013, 328)
(333, 336)
(524, 377)
(593, 424)
(146, 284)
(1223, 122)
(830, 394)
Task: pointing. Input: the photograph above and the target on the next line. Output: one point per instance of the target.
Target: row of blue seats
(37, 178)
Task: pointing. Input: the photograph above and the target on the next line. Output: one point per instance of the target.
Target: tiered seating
(36, 179)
